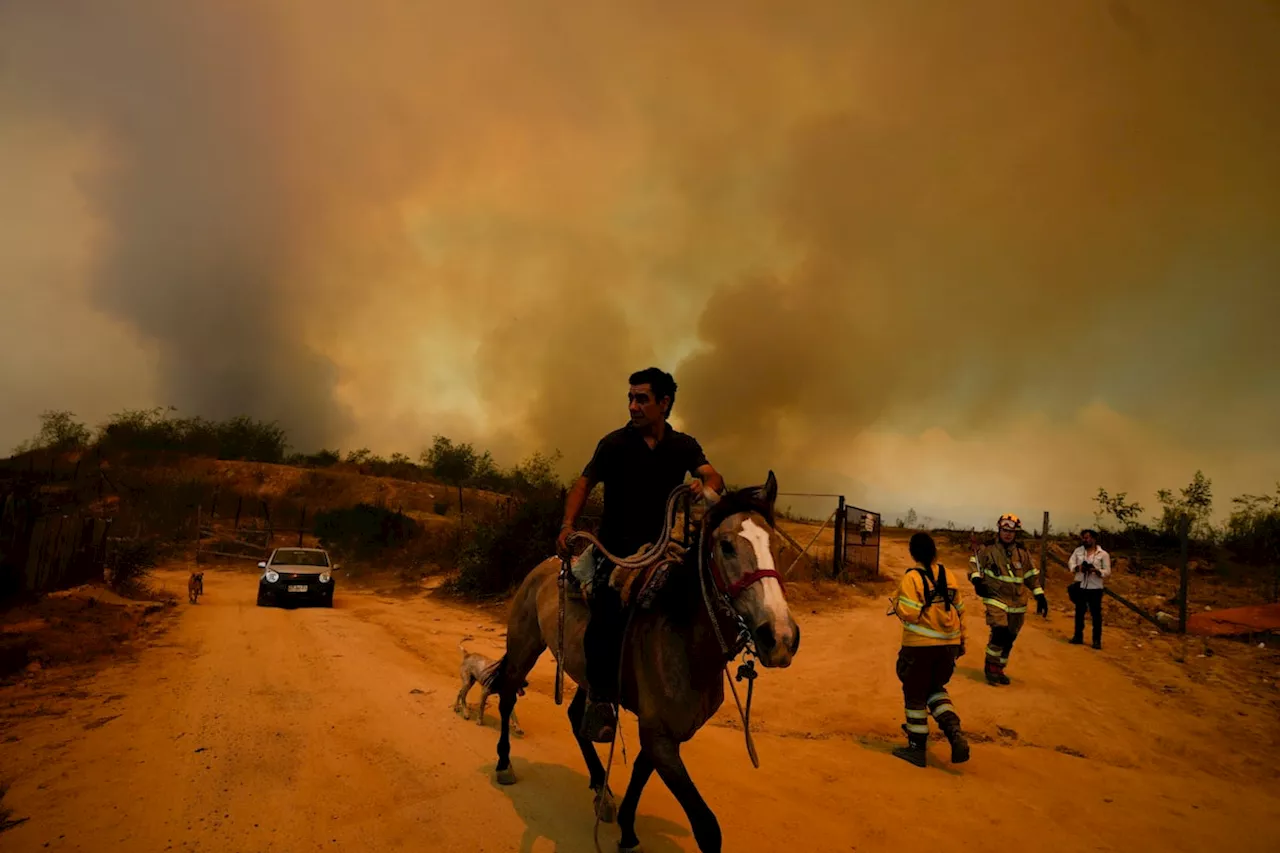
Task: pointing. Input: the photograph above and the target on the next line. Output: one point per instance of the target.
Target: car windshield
(290, 557)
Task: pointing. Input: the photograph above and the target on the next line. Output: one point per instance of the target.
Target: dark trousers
(924, 672)
(602, 642)
(1000, 646)
(1091, 599)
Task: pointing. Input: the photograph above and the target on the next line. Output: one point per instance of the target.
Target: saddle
(643, 584)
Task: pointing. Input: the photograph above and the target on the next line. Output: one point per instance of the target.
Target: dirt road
(248, 729)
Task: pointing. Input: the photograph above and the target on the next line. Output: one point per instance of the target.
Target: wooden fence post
(302, 523)
(837, 539)
(1044, 552)
(239, 504)
(199, 513)
(1184, 532)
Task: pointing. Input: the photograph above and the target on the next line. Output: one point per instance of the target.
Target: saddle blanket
(625, 581)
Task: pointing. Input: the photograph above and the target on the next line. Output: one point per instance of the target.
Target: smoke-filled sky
(970, 258)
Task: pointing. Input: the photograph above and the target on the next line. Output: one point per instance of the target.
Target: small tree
(911, 518)
(359, 457)
(59, 430)
(325, 458)
(1253, 531)
(1127, 514)
(456, 464)
(1192, 507)
(535, 475)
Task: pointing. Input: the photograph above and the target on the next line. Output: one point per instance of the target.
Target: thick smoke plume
(959, 255)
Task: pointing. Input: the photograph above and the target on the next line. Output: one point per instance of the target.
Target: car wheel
(262, 597)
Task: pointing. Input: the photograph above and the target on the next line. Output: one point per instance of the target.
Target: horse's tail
(495, 678)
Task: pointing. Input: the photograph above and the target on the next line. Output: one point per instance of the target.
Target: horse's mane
(750, 499)
(681, 597)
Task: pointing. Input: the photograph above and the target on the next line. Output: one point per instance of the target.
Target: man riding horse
(639, 465)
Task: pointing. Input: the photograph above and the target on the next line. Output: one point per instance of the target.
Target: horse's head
(741, 546)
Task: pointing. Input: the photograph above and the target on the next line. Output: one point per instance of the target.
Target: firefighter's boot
(915, 751)
(959, 745)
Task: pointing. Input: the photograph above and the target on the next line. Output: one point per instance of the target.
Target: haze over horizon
(967, 260)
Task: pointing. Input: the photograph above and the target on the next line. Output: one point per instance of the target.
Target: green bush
(153, 431)
(364, 529)
(59, 431)
(500, 552)
(1253, 530)
(130, 561)
(319, 459)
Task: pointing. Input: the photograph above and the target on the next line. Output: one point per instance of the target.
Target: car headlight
(324, 577)
(272, 576)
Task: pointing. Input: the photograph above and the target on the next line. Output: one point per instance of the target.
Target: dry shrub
(364, 530)
(130, 561)
(498, 552)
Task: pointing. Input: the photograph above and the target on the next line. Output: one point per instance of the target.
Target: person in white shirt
(1092, 566)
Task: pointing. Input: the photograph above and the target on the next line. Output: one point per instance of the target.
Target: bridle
(731, 591)
(664, 554)
(744, 642)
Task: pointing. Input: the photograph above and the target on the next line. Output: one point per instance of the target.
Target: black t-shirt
(637, 482)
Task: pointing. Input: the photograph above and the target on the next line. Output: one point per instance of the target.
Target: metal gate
(859, 542)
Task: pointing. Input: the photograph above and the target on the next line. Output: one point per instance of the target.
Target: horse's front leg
(665, 754)
(640, 773)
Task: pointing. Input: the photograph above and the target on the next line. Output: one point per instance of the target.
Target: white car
(293, 576)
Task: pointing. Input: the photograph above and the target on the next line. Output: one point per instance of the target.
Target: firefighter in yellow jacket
(933, 636)
(1002, 574)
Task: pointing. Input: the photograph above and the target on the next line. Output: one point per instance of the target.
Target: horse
(674, 656)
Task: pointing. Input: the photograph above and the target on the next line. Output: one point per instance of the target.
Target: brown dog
(195, 586)
(477, 669)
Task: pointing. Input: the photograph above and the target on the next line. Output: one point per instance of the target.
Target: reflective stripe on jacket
(1009, 576)
(931, 624)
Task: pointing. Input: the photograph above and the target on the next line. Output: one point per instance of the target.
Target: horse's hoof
(606, 809)
(507, 777)
(636, 849)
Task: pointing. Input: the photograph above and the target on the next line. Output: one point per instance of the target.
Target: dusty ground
(247, 729)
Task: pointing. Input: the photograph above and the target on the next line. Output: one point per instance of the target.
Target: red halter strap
(735, 589)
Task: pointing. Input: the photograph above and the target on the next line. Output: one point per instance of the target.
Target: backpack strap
(929, 591)
(944, 589)
(938, 589)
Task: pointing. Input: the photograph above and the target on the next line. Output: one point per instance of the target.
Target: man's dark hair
(1090, 531)
(662, 383)
(923, 549)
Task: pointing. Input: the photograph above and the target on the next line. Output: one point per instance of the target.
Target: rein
(660, 552)
(667, 552)
(743, 641)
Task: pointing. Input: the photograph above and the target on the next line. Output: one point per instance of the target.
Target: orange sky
(964, 259)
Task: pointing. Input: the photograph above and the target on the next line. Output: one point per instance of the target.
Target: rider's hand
(695, 488)
(562, 542)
